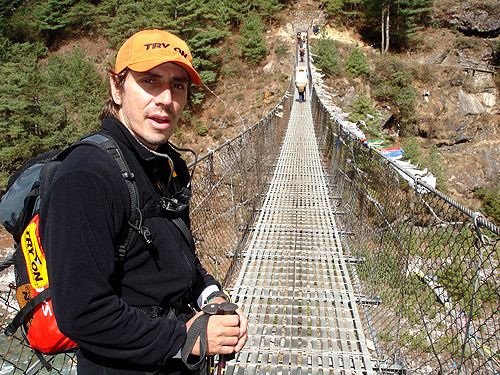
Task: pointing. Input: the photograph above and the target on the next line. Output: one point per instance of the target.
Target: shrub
(393, 83)
(434, 162)
(490, 202)
(357, 64)
(201, 129)
(361, 107)
(327, 56)
(281, 50)
(412, 149)
(363, 110)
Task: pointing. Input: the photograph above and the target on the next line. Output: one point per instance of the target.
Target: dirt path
(343, 36)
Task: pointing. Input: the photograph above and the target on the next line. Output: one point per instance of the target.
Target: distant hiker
(301, 80)
(301, 88)
(135, 316)
(302, 53)
(315, 29)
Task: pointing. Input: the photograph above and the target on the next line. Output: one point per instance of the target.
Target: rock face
(475, 19)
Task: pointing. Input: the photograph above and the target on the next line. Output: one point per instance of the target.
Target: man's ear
(115, 92)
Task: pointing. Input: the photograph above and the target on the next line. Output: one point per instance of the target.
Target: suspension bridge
(341, 266)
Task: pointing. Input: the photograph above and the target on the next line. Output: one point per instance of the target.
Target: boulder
(268, 68)
(478, 19)
(488, 99)
(469, 104)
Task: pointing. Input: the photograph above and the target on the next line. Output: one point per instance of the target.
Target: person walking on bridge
(133, 318)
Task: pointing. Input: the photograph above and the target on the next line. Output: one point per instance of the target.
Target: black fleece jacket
(82, 221)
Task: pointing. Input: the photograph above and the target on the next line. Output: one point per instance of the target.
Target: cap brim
(144, 66)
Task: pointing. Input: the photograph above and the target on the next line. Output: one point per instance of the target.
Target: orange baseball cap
(149, 48)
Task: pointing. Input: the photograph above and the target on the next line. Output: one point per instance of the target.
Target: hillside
(457, 113)
(457, 109)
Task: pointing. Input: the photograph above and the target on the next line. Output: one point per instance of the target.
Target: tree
(48, 107)
(50, 17)
(386, 10)
(327, 58)
(405, 16)
(357, 64)
(200, 23)
(267, 9)
(413, 16)
(347, 11)
(393, 83)
(253, 45)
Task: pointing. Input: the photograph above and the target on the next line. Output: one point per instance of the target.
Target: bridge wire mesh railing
(427, 267)
(228, 186)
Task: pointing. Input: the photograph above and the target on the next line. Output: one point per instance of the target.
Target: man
(132, 320)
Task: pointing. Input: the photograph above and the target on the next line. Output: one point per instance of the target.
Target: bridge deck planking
(294, 285)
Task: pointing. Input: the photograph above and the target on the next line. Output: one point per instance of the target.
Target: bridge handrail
(430, 261)
(475, 215)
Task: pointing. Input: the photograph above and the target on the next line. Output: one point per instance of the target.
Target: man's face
(151, 102)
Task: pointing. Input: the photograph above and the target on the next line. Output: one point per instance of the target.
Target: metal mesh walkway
(294, 285)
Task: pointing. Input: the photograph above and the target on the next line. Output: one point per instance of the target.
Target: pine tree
(253, 45)
(51, 16)
(397, 21)
(357, 63)
(327, 58)
(414, 14)
(345, 11)
(48, 107)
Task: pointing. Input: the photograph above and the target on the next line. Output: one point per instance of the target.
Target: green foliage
(252, 43)
(362, 107)
(434, 162)
(237, 11)
(412, 149)
(201, 129)
(406, 18)
(7, 10)
(344, 11)
(121, 19)
(51, 16)
(281, 50)
(333, 7)
(267, 9)
(18, 28)
(82, 16)
(327, 56)
(490, 198)
(45, 107)
(414, 15)
(393, 83)
(357, 63)
(202, 24)
(74, 83)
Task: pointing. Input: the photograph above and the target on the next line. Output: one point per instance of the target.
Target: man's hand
(226, 334)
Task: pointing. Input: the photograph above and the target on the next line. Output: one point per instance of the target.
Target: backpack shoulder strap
(109, 145)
